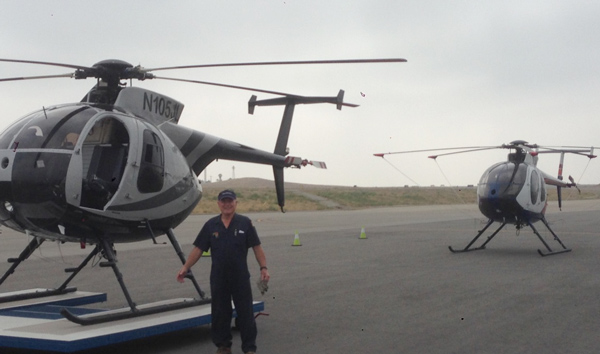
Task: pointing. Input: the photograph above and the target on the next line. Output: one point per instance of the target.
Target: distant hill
(250, 182)
(257, 194)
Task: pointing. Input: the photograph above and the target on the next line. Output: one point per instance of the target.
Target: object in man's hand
(262, 286)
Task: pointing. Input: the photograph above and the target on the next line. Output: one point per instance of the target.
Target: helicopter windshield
(57, 128)
(503, 180)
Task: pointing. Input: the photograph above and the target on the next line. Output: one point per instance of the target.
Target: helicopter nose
(38, 187)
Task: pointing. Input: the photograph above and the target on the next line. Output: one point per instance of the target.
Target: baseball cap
(227, 194)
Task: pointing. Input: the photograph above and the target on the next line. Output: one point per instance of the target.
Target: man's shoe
(224, 350)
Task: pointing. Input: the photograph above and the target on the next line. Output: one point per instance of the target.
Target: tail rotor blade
(574, 184)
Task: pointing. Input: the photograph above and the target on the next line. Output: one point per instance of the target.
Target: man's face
(227, 206)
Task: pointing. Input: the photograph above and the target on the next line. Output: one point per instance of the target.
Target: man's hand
(182, 273)
(264, 275)
(264, 280)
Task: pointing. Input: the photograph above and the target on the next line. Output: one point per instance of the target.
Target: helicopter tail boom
(200, 149)
(553, 181)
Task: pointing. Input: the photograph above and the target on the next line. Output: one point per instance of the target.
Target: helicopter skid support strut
(134, 311)
(550, 251)
(535, 231)
(33, 245)
(468, 247)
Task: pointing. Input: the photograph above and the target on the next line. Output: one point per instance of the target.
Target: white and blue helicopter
(515, 191)
(117, 167)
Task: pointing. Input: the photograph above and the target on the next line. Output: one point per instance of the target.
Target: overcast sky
(478, 73)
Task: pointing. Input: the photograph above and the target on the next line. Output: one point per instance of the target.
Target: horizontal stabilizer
(279, 101)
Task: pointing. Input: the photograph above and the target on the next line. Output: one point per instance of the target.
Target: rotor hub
(112, 71)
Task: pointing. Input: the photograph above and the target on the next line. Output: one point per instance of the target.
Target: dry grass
(258, 195)
(255, 200)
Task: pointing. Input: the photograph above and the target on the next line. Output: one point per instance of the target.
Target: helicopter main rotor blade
(298, 62)
(224, 85)
(464, 151)
(45, 63)
(468, 148)
(36, 77)
(587, 151)
(240, 88)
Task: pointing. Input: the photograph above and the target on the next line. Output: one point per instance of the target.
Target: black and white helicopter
(514, 191)
(116, 167)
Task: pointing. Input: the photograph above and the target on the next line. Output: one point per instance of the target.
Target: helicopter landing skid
(490, 222)
(550, 251)
(34, 294)
(105, 248)
(468, 247)
(138, 312)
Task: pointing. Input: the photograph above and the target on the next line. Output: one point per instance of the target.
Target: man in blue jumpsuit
(228, 236)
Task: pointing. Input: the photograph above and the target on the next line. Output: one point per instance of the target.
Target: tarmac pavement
(398, 291)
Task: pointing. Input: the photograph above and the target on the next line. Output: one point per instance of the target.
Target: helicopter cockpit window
(503, 180)
(7, 137)
(52, 128)
(151, 176)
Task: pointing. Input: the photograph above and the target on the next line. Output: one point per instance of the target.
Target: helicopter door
(104, 151)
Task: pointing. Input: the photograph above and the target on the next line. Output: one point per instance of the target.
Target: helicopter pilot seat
(104, 175)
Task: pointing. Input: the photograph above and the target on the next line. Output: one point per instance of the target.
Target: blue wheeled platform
(37, 323)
